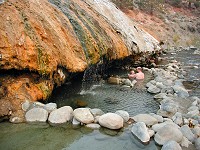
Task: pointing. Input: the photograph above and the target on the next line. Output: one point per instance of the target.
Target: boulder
(111, 121)
(185, 142)
(83, 115)
(26, 105)
(123, 114)
(171, 145)
(151, 133)
(193, 113)
(146, 118)
(128, 82)
(114, 80)
(157, 127)
(93, 126)
(36, 115)
(153, 89)
(196, 131)
(166, 133)
(50, 107)
(96, 112)
(158, 117)
(181, 91)
(141, 132)
(192, 108)
(61, 115)
(178, 119)
(160, 96)
(187, 133)
(75, 122)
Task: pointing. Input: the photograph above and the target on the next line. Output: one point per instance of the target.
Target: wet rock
(111, 121)
(75, 122)
(153, 89)
(141, 132)
(96, 112)
(128, 82)
(146, 118)
(93, 126)
(36, 115)
(150, 83)
(83, 115)
(187, 133)
(50, 107)
(166, 133)
(171, 145)
(114, 80)
(61, 115)
(197, 52)
(160, 85)
(80, 103)
(123, 114)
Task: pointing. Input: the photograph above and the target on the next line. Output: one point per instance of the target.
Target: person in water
(139, 75)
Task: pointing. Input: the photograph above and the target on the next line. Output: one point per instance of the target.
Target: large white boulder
(83, 115)
(61, 115)
(111, 121)
(146, 118)
(141, 131)
(167, 133)
(36, 115)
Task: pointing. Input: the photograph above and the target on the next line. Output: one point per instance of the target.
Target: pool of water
(37, 137)
(107, 97)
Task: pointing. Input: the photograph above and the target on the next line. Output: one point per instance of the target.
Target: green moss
(45, 90)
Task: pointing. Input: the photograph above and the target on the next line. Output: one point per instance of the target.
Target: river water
(101, 95)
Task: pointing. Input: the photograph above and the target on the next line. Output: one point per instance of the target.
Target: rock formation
(44, 42)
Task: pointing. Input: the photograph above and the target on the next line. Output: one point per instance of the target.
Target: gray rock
(146, 118)
(187, 133)
(197, 52)
(36, 115)
(83, 115)
(160, 85)
(114, 80)
(123, 114)
(75, 122)
(160, 96)
(153, 89)
(93, 126)
(50, 107)
(151, 133)
(192, 108)
(26, 105)
(158, 117)
(197, 143)
(177, 118)
(171, 145)
(141, 132)
(157, 127)
(111, 121)
(96, 112)
(196, 131)
(128, 82)
(181, 91)
(61, 115)
(185, 142)
(193, 113)
(166, 133)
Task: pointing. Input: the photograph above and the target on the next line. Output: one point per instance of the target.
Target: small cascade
(92, 77)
